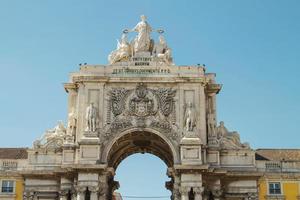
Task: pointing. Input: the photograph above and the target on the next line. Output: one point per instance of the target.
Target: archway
(139, 142)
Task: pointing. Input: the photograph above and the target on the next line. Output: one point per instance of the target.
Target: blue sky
(252, 45)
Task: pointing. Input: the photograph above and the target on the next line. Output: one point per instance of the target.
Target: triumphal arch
(141, 102)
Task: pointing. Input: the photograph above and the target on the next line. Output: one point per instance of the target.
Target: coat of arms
(142, 104)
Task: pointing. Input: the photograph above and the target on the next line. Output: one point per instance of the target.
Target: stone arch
(139, 140)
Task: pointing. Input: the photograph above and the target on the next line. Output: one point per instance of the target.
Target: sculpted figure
(229, 139)
(189, 117)
(72, 120)
(161, 50)
(123, 51)
(142, 41)
(211, 124)
(221, 130)
(91, 118)
(59, 131)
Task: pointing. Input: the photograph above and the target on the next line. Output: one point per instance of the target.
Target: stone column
(103, 191)
(28, 195)
(198, 193)
(184, 193)
(80, 192)
(63, 194)
(94, 193)
(217, 193)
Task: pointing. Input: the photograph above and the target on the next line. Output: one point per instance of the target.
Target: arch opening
(144, 142)
(139, 142)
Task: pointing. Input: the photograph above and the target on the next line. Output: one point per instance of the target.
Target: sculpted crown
(142, 47)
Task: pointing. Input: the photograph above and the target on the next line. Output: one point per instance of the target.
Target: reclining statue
(122, 53)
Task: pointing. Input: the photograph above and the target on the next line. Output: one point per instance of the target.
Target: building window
(274, 188)
(7, 186)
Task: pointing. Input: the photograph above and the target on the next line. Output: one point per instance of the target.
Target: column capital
(184, 190)
(80, 189)
(94, 189)
(198, 190)
(217, 192)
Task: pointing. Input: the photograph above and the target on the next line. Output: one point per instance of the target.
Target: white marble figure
(123, 51)
(142, 41)
(91, 118)
(72, 120)
(59, 131)
(162, 51)
(189, 117)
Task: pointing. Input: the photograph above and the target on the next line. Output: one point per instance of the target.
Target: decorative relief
(166, 100)
(142, 104)
(117, 100)
(141, 107)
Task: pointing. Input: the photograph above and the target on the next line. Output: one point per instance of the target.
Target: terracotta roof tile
(279, 154)
(13, 153)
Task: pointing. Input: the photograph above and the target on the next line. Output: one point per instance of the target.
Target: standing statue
(162, 51)
(189, 117)
(142, 42)
(91, 118)
(72, 120)
(123, 51)
(211, 123)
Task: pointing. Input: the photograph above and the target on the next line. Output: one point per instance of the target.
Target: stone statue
(221, 130)
(142, 42)
(58, 132)
(91, 118)
(189, 117)
(72, 120)
(162, 51)
(123, 51)
(229, 140)
(211, 122)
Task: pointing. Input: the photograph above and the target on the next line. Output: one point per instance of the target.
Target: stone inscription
(127, 70)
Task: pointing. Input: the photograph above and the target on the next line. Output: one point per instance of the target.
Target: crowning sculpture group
(141, 45)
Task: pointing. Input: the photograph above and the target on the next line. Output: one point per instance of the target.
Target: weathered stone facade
(141, 102)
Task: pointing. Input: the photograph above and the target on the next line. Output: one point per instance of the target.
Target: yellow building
(281, 173)
(12, 161)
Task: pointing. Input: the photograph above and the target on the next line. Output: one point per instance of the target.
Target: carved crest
(140, 107)
(142, 104)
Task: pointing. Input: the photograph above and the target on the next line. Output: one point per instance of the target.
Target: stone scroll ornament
(166, 100)
(117, 100)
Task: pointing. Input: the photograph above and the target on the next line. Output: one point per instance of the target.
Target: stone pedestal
(190, 150)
